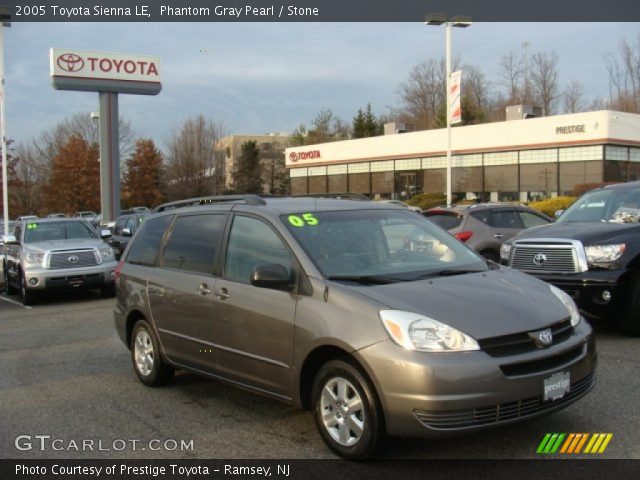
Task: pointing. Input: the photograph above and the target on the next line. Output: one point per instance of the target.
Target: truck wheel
(347, 411)
(146, 358)
(629, 321)
(11, 290)
(28, 296)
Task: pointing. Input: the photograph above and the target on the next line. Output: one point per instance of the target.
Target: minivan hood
(587, 233)
(71, 244)
(485, 304)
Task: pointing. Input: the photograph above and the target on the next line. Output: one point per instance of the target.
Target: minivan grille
(518, 343)
(543, 364)
(457, 419)
(73, 259)
(544, 258)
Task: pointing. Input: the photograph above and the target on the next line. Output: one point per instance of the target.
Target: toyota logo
(545, 336)
(542, 338)
(70, 62)
(293, 156)
(539, 259)
(73, 259)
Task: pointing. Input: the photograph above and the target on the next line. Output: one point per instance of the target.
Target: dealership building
(514, 160)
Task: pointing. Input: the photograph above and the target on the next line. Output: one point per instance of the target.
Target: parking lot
(66, 374)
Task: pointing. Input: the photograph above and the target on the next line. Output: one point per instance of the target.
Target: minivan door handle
(222, 294)
(204, 289)
(498, 235)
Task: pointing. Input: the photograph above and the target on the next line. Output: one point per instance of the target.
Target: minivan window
(394, 243)
(144, 249)
(194, 243)
(252, 242)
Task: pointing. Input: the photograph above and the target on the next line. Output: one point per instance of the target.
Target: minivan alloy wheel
(143, 350)
(342, 411)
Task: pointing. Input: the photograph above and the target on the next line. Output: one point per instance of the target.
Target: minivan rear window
(144, 248)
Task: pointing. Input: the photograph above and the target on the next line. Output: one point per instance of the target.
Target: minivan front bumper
(441, 394)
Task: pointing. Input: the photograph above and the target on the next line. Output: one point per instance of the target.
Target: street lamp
(461, 22)
(5, 17)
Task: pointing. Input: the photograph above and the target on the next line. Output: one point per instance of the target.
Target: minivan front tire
(146, 358)
(347, 411)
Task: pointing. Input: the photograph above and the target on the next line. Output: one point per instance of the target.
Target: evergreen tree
(246, 172)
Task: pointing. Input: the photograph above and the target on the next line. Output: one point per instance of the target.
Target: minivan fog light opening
(418, 332)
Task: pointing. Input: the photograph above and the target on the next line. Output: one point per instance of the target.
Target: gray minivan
(370, 316)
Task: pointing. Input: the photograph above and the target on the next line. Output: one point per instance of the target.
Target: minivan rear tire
(157, 372)
(359, 390)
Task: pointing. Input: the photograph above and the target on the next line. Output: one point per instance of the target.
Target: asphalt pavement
(65, 374)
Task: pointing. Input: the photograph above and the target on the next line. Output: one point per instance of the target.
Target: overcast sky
(270, 77)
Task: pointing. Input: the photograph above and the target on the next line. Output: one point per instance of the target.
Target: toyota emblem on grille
(539, 258)
(542, 338)
(73, 259)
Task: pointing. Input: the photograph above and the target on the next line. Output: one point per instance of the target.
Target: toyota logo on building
(293, 156)
(539, 259)
(70, 62)
(73, 259)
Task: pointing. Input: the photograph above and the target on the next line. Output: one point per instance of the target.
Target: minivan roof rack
(340, 196)
(192, 202)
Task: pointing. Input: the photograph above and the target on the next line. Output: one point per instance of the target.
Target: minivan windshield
(380, 245)
(47, 231)
(617, 205)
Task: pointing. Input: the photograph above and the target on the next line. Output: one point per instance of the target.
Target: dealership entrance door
(408, 184)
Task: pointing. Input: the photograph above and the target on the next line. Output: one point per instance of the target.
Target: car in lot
(57, 215)
(57, 253)
(485, 226)
(125, 227)
(24, 218)
(592, 251)
(87, 215)
(327, 305)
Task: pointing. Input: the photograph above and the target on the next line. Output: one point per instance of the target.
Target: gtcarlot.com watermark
(44, 443)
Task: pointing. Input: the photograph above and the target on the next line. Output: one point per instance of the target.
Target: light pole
(461, 22)
(5, 17)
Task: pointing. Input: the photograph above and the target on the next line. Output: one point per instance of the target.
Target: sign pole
(109, 157)
(3, 134)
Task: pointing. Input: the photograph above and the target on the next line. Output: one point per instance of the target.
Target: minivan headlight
(604, 253)
(32, 257)
(505, 250)
(569, 303)
(417, 332)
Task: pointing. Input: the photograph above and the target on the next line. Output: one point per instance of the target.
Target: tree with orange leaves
(141, 186)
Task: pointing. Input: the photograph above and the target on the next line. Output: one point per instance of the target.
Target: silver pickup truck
(57, 253)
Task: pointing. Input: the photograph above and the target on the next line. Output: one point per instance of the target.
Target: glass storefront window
(318, 184)
(359, 183)
(382, 182)
(539, 178)
(435, 180)
(616, 171)
(575, 173)
(466, 179)
(299, 186)
(337, 183)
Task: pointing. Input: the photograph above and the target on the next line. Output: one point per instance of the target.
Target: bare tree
(423, 93)
(624, 77)
(573, 97)
(512, 74)
(191, 158)
(544, 81)
(30, 177)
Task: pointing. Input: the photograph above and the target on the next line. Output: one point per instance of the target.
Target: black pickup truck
(592, 252)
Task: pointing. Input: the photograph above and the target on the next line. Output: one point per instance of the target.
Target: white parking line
(2, 297)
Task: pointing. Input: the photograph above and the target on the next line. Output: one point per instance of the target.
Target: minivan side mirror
(126, 232)
(10, 240)
(270, 276)
(558, 213)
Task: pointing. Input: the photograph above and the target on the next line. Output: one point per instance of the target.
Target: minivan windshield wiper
(364, 279)
(448, 272)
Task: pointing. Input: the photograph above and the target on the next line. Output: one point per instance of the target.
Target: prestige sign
(105, 71)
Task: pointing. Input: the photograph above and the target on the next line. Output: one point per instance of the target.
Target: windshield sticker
(626, 215)
(32, 226)
(306, 219)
